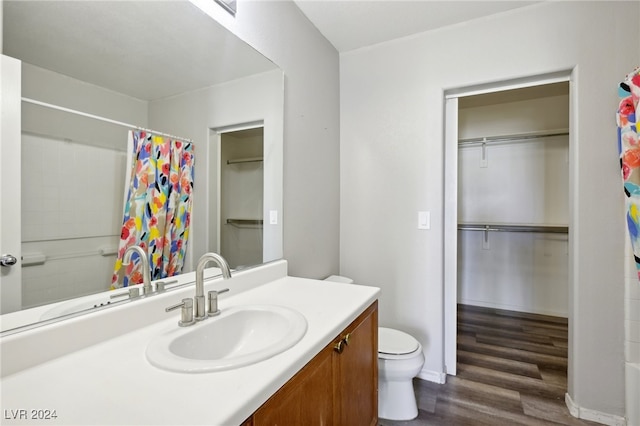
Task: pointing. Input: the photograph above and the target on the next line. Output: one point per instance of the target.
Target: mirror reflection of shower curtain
(157, 207)
(626, 117)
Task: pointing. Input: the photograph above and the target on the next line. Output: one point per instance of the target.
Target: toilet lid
(395, 342)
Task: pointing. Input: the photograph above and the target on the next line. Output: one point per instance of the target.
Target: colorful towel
(629, 92)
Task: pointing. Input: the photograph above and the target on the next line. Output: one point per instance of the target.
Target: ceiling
(126, 46)
(148, 50)
(352, 24)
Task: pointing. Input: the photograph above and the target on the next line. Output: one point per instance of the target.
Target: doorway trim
(450, 231)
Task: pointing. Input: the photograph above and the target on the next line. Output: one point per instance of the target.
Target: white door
(10, 134)
(451, 239)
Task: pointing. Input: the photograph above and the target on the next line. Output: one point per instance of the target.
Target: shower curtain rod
(106, 120)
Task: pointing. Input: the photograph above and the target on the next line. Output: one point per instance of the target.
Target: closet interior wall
(519, 181)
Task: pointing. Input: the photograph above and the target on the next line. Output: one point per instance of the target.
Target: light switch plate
(273, 217)
(424, 220)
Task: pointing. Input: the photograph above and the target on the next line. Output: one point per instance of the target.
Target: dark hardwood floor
(512, 370)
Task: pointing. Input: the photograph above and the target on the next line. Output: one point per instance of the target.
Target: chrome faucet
(200, 311)
(146, 273)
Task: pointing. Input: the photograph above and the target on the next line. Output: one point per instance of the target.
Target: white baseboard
(593, 415)
(433, 376)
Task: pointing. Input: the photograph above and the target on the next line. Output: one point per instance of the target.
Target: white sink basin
(239, 336)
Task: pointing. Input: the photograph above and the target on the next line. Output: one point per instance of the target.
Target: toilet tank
(339, 279)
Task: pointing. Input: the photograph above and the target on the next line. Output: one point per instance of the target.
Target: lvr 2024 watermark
(30, 414)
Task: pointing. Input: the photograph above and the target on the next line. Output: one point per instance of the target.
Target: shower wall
(71, 214)
(632, 335)
(72, 186)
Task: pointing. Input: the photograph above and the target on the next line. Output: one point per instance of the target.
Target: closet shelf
(543, 229)
(514, 137)
(245, 160)
(240, 222)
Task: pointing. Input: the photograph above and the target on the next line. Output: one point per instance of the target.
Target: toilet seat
(393, 343)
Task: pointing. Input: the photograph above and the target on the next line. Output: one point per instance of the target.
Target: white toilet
(400, 359)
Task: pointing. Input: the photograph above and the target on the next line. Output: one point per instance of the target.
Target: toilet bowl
(400, 359)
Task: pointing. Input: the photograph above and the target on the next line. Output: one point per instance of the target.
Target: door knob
(8, 260)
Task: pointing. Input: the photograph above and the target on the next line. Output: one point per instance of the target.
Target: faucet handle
(186, 316)
(213, 301)
(162, 285)
(132, 293)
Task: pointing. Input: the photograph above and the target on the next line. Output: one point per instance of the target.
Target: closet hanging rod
(104, 119)
(515, 228)
(245, 160)
(240, 222)
(513, 138)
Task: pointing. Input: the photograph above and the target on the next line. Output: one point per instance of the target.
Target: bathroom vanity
(94, 369)
(338, 386)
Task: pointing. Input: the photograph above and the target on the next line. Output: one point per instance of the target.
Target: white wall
(392, 157)
(525, 182)
(257, 98)
(280, 31)
(513, 117)
(518, 271)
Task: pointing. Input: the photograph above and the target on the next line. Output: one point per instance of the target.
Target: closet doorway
(241, 196)
(507, 208)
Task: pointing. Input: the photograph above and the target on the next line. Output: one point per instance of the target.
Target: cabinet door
(307, 399)
(356, 371)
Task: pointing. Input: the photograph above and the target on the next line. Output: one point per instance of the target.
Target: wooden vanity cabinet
(339, 386)
(356, 371)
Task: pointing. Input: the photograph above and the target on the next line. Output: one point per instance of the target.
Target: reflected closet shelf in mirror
(245, 222)
(245, 160)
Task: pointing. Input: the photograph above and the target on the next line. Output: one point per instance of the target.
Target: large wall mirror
(89, 68)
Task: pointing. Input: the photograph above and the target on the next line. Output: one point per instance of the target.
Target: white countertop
(112, 383)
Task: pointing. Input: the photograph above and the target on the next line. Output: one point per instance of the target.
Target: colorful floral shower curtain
(157, 211)
(629, 92)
